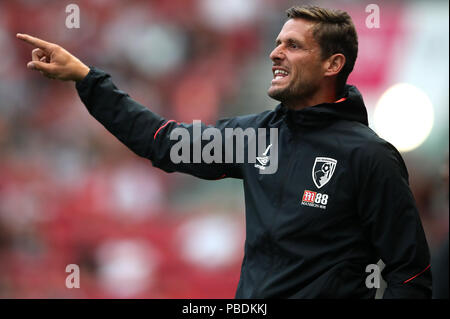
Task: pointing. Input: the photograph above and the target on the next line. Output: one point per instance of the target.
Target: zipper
(270, 236)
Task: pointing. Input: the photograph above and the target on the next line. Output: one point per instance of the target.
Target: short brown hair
(334, 32)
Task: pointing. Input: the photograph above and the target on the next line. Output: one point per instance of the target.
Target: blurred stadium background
(70, 193)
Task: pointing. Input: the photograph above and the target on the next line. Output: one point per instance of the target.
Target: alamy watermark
(73, 19)
(73, 279)
(230, 145)
(374, 278)
(373, 19)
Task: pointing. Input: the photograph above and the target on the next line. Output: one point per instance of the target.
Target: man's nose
(277, 54)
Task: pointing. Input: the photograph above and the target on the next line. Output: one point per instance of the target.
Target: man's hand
(54, 61)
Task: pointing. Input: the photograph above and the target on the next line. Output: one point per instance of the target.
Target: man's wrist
(81, 73)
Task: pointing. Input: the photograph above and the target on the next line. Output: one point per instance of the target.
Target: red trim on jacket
(416, 275)
(154, 136)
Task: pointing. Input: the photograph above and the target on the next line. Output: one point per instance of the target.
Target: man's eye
(293, 45)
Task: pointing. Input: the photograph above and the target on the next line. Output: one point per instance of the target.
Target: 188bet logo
(315, 199)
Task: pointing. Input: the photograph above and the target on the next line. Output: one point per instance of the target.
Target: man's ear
(334, 64)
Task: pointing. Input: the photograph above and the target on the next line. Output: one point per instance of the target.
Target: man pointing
(339, 200)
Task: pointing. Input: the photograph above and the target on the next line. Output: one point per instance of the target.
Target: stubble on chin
(293, 93)
(283, 95)
(278, 94)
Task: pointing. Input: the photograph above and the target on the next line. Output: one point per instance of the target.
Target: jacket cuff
(87, 80)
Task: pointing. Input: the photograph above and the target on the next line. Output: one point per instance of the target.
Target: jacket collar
(349, 106)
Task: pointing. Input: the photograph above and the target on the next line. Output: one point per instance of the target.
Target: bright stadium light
(404, 116)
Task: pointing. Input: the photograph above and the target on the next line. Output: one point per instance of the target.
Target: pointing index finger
(34, 41)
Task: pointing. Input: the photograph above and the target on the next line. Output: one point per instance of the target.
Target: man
(339, 200)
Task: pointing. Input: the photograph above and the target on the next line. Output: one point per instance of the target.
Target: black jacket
(339, 200)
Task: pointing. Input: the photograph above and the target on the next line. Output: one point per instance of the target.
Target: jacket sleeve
(391, 220)
(149, 135)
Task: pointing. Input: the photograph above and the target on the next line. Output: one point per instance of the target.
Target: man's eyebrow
(288, 40)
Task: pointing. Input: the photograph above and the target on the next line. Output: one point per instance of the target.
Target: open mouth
(279, 74)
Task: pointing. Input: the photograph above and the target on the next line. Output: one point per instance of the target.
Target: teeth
(280, 72)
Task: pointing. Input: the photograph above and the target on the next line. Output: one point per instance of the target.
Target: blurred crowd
(72, 194)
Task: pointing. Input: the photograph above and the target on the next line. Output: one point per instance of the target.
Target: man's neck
(319, 97)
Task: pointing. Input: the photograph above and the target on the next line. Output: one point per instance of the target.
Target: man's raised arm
(143, 131)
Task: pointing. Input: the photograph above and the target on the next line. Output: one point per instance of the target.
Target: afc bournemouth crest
(322, 170)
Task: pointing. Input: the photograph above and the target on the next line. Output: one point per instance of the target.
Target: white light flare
(404, 116)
